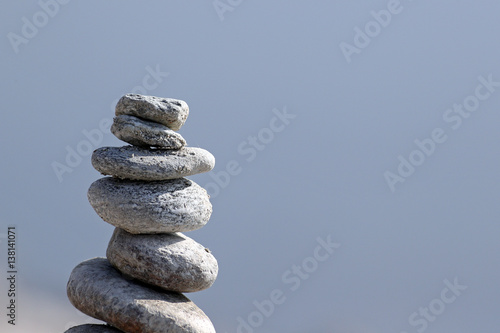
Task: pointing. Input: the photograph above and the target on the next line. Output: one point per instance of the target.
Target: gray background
(322, 175)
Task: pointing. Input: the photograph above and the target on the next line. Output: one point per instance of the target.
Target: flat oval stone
(169, 261)
(151, 207)
(144, 133)
(130, 162)
(166, 111)
(92, 328)
(100, 291)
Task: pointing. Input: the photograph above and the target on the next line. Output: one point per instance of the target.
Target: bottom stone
(100, 291)
(91, 328)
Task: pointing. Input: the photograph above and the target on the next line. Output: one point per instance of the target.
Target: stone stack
(150, 263)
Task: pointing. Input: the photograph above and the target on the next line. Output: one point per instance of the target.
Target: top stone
(166, 111)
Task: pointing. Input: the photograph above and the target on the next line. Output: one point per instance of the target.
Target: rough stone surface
(100, 291)
(151, 207)
(167, 111)
(144, 133)
(91, 328)
(169, 261)
(136, 163)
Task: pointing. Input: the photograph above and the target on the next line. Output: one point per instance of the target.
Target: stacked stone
(150, 263)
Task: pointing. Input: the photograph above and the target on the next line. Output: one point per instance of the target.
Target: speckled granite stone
(166, 111)
(137, 163)
(151, 207)
(170, 261)
(100, 291)
(144, 133)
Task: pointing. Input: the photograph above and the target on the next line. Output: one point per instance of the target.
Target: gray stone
(92, 328)
(144, 133)
(132, 162)
(169, 261)
(167, 111)
(151, 207)
(100, 291)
